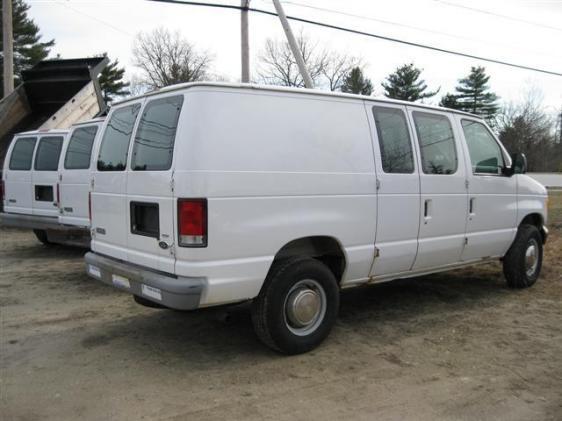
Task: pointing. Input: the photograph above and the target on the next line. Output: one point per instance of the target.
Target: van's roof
(302, 91)
(91, 121)
(42, 132)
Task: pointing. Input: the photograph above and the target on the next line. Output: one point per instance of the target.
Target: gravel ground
(458, 345)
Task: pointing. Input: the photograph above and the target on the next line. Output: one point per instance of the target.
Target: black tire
(287, 280)
(518, 271)
(42, 237)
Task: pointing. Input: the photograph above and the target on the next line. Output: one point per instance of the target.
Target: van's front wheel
(523, 261)
(297, 306)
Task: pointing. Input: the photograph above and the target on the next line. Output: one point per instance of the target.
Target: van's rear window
(115, 143)
(48, 153)
(22, 154)
(80, 148)
(154, 141)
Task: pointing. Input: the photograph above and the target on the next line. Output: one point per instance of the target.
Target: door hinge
(172, 185)
(60, 177)
(92, 183)
(466, 184)
(377, 252)
(378, 184)
(465, 241)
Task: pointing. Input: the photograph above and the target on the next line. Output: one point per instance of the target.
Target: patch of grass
(555, 207)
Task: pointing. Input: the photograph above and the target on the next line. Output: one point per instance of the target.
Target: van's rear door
(17, 175)
(109, 200)
(44, 175)
(74, 178)
(150, 197)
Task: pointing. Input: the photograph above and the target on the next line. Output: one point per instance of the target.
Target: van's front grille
(145, 219)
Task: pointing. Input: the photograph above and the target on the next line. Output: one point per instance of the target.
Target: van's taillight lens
(90, 206)
(58, 194)
(2, 191)
(192, 222)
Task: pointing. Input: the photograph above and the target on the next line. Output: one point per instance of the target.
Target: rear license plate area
(145, 219)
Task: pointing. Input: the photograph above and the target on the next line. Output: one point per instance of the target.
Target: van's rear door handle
(427, 210)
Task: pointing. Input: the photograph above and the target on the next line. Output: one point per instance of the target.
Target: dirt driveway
(451, 346)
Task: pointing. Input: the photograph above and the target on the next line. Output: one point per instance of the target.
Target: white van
(75, 173)
(210, 194)
(47, 183)
(30, 178)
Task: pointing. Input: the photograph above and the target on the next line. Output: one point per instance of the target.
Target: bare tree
(278, 66)
(166, 58)
(337, 68)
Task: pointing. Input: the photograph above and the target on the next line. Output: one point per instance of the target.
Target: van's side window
(394, 140)
(48, 153)
(437, 143)
(80, 148)
(154, 140)
(22, 154)
(115, 143)
(485, 153)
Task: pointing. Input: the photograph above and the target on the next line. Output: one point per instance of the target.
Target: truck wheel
(523, 261)
(297, 306)
(42, 236)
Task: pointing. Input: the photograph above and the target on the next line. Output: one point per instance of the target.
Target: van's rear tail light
(90, 206)
(2, 191)
(192, 222)
(58, 194)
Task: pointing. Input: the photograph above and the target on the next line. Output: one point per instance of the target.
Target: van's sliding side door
(398, 189)
(151, 206)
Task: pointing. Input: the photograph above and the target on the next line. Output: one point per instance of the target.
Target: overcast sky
(527, 32)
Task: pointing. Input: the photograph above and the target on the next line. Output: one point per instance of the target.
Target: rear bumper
(35, 222)
(181, 293)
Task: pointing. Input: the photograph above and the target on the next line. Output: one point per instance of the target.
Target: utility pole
(8, 47)
(245, 38)
(293, 44)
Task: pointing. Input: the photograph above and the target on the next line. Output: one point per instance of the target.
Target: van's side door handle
(471, 206)
(427, 205)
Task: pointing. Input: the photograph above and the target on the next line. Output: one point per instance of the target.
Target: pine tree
(355, 82)
(28, 50)
(449, 101)
(405, 84)
(474, 95)
(111, 81)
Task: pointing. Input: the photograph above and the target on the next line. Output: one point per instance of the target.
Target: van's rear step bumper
(171, 291)
(34, 222)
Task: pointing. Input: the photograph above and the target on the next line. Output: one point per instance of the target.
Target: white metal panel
(18, 191)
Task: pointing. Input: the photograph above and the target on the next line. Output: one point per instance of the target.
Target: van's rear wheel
(297, 306)
(523, 261)
(42, 236)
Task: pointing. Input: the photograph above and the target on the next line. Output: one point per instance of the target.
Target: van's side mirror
(518, 165)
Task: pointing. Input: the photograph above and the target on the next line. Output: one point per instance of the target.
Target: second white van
(213, 194)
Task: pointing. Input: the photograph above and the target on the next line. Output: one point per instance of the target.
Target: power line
(498, 15)
(402, 25)
(368, 34)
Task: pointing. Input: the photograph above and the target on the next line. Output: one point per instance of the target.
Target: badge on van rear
(163, 245)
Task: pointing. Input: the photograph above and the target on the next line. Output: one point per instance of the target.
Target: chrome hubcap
(305, 307)
(531, 257)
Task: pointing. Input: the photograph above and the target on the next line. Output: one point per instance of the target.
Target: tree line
(164, 58)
